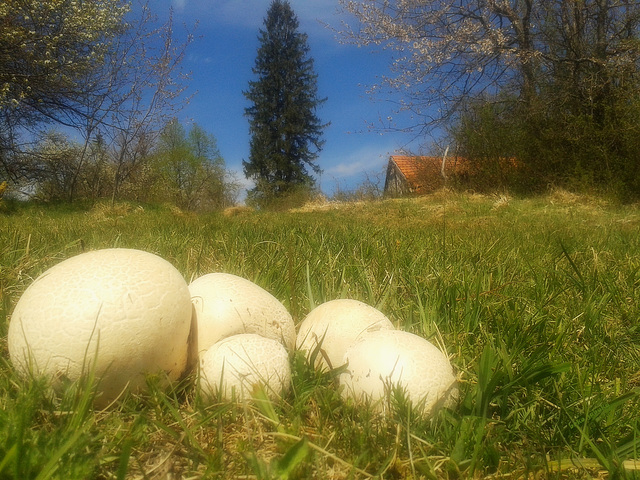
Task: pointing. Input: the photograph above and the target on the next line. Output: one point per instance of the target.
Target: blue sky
(221, 59)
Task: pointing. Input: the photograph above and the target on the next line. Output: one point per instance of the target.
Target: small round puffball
(380, 360)
(226, 305)
(334, 326)
(128, 310)
(235, 366)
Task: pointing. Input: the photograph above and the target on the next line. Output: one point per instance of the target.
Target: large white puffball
(128, 310)
(227, 305)
(334, 326)
(381, 360)
(235, 366)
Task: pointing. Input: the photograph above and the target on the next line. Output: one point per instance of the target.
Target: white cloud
(367, 159)
(348, 169)
(196, 58)
(179, 4)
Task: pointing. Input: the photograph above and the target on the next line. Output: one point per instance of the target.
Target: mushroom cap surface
(226, 305)
(122, 312)
(335, 325)
(233, 367)
(383, 359)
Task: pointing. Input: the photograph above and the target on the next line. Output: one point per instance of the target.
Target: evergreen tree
(285, 130)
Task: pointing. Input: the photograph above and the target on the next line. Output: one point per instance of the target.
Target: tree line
(89, 92)
(551, 86)
(183, 167)
(532, 93)
(88, 101)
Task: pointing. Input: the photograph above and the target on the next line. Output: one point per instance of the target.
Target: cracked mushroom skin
(226, 304)
(383, 359)
(235, 366)
(123, 313)
(333, 326)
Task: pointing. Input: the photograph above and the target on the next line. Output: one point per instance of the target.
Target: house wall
(395, 185)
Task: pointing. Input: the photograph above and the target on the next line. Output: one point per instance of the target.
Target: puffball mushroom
(226, 305)
(235, 366)
(383, 359)
(122, 313)
(335, 325)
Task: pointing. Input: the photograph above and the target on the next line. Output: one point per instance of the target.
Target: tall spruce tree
(285, 130)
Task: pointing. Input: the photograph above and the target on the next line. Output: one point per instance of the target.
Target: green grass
(535, 300)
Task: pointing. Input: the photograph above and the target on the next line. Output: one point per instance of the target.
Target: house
(419, 175)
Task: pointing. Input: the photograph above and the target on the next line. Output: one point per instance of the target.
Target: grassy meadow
(536, 302)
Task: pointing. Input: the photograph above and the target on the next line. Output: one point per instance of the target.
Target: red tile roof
(414, 169)
(423, 174)
(420, 175)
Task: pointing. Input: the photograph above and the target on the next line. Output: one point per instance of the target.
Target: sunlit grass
(535, 301)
